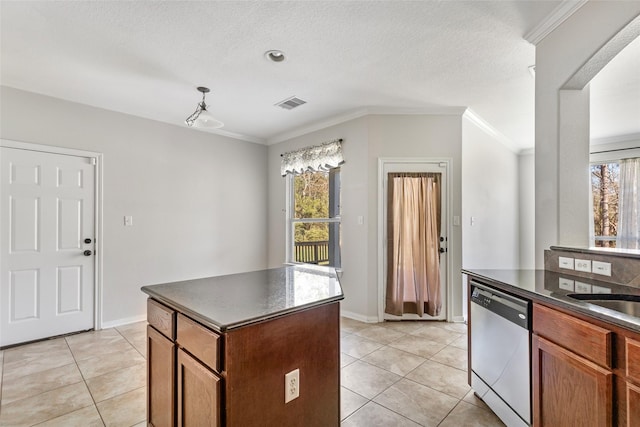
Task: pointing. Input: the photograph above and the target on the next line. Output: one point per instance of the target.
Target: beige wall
(197, 199)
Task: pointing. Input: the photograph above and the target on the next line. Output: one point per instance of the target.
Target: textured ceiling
(146, 59)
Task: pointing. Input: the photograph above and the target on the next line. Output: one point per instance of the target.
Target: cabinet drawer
(587, 340)
(632, 351)
(199, 341)
(162, 318)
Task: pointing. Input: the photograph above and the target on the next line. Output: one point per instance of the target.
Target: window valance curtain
(313, 159)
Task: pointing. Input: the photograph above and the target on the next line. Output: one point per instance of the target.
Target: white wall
(365, 140)
(197, 199)
(489, 195)
(353, 181)
(526, 211)
(562, 124)
(438, 136)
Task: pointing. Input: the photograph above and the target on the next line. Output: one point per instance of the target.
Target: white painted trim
(527, 151)
(361, 112)
(458, 319)
(336, 120)
(358, 317)
(431, 111)
(124, 321)
(98, 220)
(553, 20)
(240, 136)
(621, 142)
(382, 161)
(484, 126)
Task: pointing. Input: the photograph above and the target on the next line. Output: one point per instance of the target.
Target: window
(605, 188)
(314, 217)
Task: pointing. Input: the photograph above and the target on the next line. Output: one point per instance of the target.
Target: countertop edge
(220, 327)
(582, 307)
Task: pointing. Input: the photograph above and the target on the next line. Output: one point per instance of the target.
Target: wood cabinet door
(161, 357)
(198, 393)
(569, 390)
(633, 405)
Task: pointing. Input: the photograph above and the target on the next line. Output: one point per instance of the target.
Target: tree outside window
(605, 186)
(315, 217)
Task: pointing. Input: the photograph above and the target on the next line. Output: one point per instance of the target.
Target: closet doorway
(413, 261)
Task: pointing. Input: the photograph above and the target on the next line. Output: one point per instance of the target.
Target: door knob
(442, 250)
(87, 253)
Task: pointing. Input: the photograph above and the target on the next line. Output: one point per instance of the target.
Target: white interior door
(47, 215)
(416, 166)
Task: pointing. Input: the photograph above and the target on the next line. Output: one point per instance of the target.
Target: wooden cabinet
(585, 372)
(198, 393)
(161, 355)
(571, 371)
(202, 378)
(569, 390)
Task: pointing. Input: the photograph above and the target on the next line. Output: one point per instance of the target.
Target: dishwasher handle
(513, 309)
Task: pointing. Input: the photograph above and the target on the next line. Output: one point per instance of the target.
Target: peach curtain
(413, 257)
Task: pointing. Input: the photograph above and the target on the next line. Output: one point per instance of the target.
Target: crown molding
(355, 114)
(615, 143)
(490, 130)
(553, 20)
(240, 136)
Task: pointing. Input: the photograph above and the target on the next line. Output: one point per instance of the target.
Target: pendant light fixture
(202, 118)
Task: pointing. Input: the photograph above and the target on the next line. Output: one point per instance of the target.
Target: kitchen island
(220, 349)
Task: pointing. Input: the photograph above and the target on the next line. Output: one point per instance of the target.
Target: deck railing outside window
(312, 252)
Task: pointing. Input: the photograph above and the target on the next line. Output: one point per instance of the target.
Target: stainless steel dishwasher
(501, 353)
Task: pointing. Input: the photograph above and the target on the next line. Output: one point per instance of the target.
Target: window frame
(607, 153)
(291, 221)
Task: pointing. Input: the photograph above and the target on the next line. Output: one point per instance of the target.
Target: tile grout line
(85, 382)
(430, 358)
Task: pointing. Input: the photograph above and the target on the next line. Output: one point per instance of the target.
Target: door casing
(98, 211)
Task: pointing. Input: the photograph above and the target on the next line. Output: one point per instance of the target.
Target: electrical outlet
(583, 265)
(291, 385)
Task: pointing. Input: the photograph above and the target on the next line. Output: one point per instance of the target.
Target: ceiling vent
(291, 103)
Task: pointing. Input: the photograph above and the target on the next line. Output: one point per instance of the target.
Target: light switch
(603, 268)
(565, 262)
(360, 220)
(566, 284)
(128, 221)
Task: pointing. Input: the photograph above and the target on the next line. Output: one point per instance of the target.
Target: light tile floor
(393, 374)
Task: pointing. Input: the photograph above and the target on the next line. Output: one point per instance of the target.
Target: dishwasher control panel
(481, 297)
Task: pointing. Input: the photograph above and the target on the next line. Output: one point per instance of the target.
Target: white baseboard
(122, 322)
(358, 317)
(458, 319)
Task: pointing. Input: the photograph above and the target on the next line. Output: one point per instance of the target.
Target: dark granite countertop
(232, 301)
(551, 287)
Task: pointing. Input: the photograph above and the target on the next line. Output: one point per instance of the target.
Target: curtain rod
(339, 140)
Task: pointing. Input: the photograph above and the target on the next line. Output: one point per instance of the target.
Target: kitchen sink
(623, 303)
